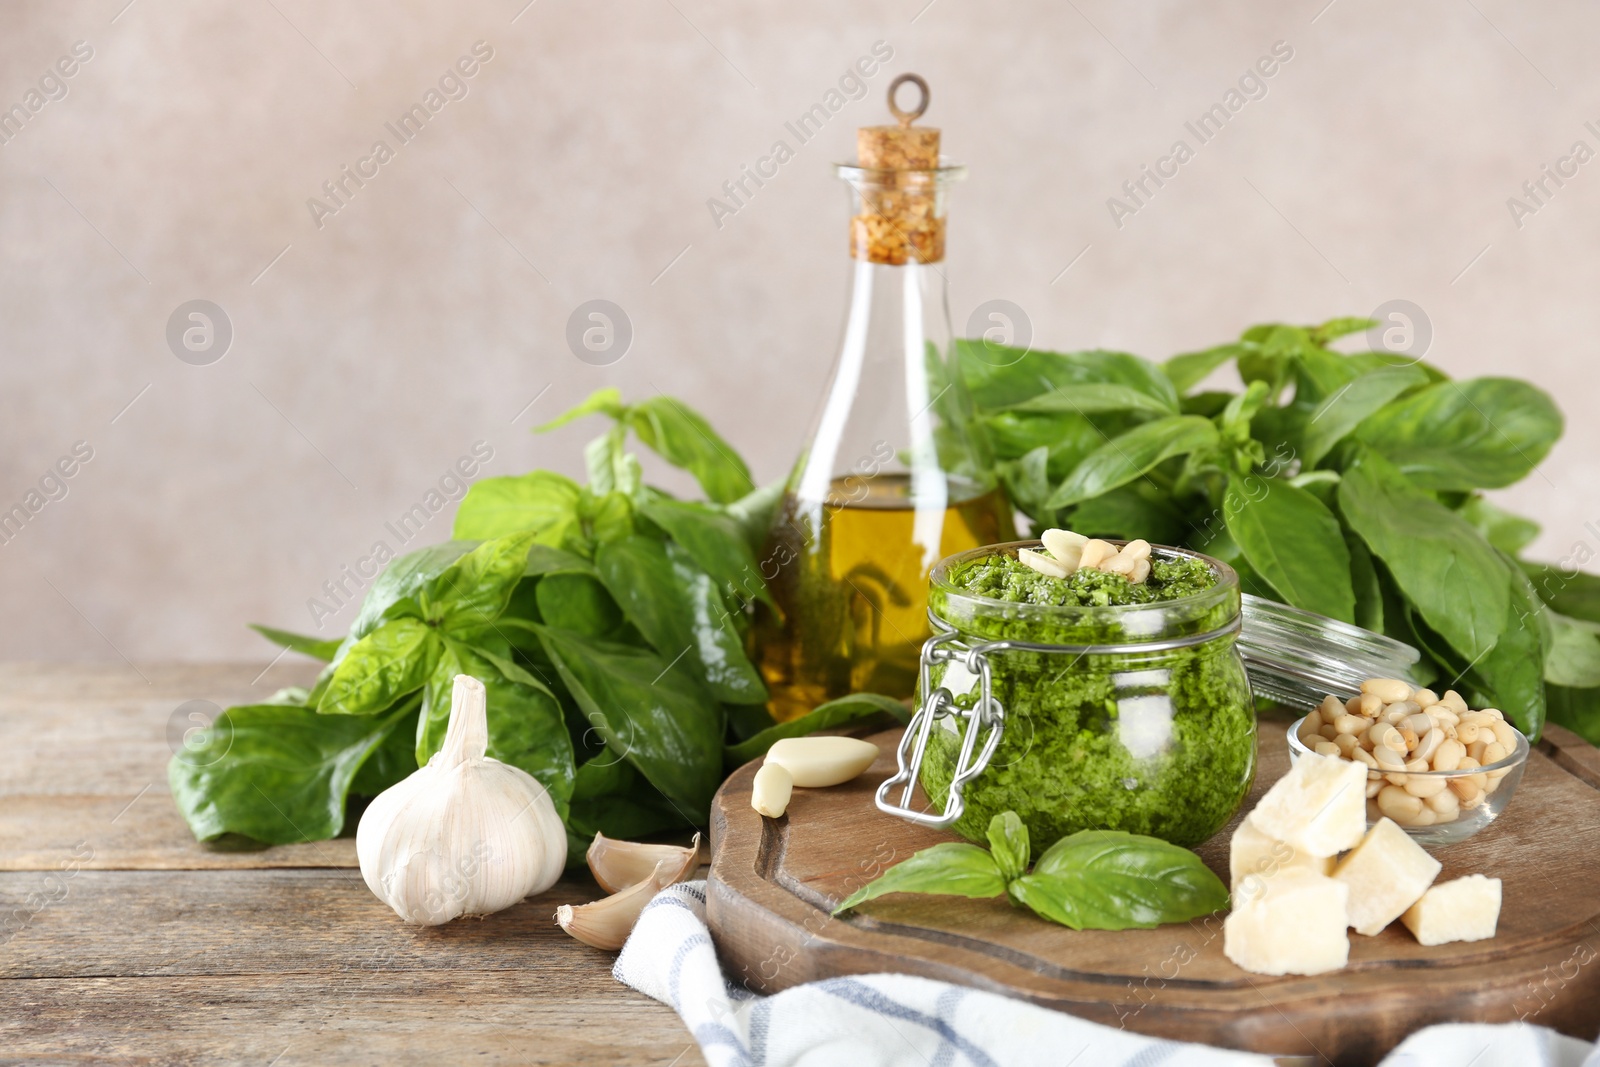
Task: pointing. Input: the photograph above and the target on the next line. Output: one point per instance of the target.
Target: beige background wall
(369, 354)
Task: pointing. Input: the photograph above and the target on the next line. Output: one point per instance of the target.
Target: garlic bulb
(465, 835)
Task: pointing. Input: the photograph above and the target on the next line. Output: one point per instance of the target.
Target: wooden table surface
(122, 940)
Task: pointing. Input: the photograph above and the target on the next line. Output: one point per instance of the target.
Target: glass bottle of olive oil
(894, 476)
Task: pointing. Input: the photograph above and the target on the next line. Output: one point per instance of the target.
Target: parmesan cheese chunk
(1296, 925)
(1255, 854)
(1319, 807)
(1465, 909)
(1387, 873)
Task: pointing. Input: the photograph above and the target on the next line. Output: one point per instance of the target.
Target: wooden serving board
(773, 883)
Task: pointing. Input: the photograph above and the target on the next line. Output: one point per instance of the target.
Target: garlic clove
(1065, 546)
(607, 923)
(1095, 552)
(1042, 563)
(616, 865)
(770, 792)
(814, 762)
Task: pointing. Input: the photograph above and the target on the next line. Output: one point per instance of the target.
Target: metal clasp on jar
(985, 715)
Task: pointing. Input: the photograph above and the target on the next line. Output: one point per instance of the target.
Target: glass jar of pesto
(1080, 703)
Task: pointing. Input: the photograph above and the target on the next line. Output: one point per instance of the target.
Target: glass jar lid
(1298, 657)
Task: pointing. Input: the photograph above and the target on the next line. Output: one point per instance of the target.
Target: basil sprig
(607, 621)
(1092, 880)
(1345, 483)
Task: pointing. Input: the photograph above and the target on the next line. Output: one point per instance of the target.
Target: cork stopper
(898, 223)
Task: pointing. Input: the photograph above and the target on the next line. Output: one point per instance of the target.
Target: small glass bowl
(1495, 784)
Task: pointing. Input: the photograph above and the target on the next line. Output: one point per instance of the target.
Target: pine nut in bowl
(1440, 770)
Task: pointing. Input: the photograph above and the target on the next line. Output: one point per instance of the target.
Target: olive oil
(851, 584)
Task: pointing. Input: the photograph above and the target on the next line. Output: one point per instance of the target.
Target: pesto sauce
(1008, 578)
(1157, 743)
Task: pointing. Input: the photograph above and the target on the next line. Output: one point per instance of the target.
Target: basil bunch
(608, 623)
(1345, 484)
(1092, 880)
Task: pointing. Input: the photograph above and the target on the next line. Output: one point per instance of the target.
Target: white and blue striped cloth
(884, 1019)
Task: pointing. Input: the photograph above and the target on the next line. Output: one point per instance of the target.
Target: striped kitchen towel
(884, 1019)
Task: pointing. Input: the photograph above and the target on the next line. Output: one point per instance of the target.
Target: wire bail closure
(986, 714)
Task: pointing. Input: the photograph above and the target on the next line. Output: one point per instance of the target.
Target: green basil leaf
(1574, 658)
(1505, 531)
(1364, 583)
(659, 719)
(1319, 374)
(755, 512)
(391, 661)
(543, 502)
(1027, 480)
(1234, 420)
(1269, 352)
(854, 708)
(1070, 436)
(542, 559)
(395, 757)
(579, 603)
(1566, 588)
(1211, 403)
(1343, 410)
(1576, 709)
(611, 467)
(294, 696)
(608, 516)
(471, 593)
(1192, 368)
(1110, 880)
(274, 773)
(1133, 454)
(607, 401)
(1292, 541)
(393, 593)
(1477, 434)
(1091, 397)
(1334, 329)
(1511, 676)
(684, 439)
(610, 797)
(950, 869)
(315, 647)
(714, 541)
(1132, 511)
(1008, 844)
(674, 604)
(526, 727)
(1442, 565)
(999, 377)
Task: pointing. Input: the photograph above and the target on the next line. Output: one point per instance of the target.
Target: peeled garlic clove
(616, 865)
(813, 762)
(607, 923)
(1121, 563)
(1141, 571)
(1042, 563)
(1095, 552)
(1065, 546)
(770, 792)
(464, 835)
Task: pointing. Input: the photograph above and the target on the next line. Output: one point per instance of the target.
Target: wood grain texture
(538, 1015)
(773, 883)
(122, 940)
